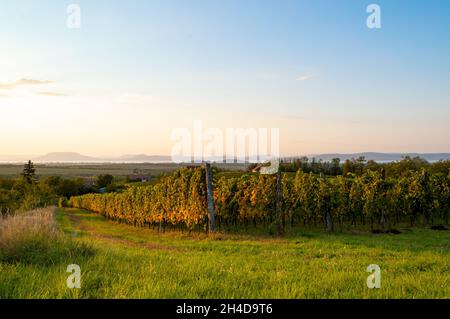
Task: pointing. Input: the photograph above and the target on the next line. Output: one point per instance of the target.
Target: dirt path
(80, 225)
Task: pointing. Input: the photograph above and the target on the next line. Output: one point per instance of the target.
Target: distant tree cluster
(331, 168)
(358, 166)
(395, 169)
(29, 192)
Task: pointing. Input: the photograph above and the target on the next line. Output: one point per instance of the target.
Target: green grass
(129, 262)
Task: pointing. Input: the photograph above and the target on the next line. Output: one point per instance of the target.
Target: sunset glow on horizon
(134, 72)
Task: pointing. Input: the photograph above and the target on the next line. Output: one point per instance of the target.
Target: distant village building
(259, 167)
(89, 182)
(139, 176)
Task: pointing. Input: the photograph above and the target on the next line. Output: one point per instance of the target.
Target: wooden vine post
(427, 200)
(328, 217)
(384, 192)
(210, 199)
(279, 212)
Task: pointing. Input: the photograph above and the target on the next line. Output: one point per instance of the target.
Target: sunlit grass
(130, 262)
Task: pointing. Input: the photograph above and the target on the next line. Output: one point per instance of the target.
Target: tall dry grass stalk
(36, 223)
(35, 238)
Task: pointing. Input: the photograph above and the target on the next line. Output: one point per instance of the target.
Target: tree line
(359, 165)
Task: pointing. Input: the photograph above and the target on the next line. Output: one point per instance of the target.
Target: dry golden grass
(34, 238)
(29, 223)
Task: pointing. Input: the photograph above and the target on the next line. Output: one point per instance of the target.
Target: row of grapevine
(177, 199)
(180, 199)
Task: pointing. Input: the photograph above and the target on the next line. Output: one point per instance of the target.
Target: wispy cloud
(306, 77)
(22, 82)
(56, 94)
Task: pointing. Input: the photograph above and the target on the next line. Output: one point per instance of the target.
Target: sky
(137, 70)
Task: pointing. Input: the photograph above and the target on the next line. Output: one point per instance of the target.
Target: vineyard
(179, 200)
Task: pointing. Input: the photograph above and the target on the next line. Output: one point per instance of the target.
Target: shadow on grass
(45, 251)
(409, 239)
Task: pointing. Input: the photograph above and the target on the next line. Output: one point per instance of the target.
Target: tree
(335, 167)
(104, 180)
(29, 172)
(355, 166)
(373, 166)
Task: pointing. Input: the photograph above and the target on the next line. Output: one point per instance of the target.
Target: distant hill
(73, 157)
(383, 157)
(65, 157)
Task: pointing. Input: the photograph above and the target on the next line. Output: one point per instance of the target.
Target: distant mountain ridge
(73, 157)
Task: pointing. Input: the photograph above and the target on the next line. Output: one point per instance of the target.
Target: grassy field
(88, 170)
(120, 261)
(119, 170)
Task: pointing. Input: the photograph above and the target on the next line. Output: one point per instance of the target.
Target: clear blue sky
(312, 68)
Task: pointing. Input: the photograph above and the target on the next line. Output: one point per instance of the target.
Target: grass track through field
(79, 224)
